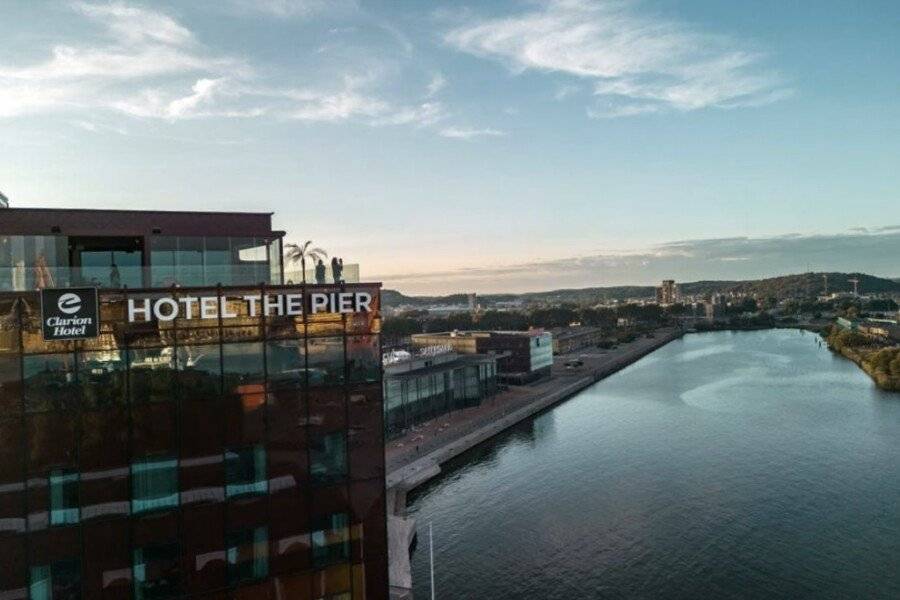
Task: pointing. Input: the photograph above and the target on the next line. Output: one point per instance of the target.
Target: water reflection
(761, 466)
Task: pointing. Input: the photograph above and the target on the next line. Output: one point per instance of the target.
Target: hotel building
(175, 422)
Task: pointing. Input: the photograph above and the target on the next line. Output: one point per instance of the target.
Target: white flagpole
(431, 556)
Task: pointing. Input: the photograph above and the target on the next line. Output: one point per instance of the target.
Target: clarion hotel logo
(71, 314)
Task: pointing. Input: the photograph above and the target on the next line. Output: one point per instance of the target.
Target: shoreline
(416, 472)
(404, 478)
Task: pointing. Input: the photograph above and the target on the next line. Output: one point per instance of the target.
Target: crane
(855, 282)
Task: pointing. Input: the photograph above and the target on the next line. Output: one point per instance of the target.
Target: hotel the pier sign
(169, 308)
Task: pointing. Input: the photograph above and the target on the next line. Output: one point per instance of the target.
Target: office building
(420, 387)
(572, 339)
(191, 441)
(667, 293)
(523, 356)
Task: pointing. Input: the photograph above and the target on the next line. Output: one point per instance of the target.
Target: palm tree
(300, 252)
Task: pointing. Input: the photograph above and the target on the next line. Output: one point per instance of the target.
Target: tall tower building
(667, 293)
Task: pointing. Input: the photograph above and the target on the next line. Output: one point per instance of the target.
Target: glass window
(189, 261)
(33, 262)
(243, 366)
(248, 555)
(328, 457)
(49, 382)
(199, 371)
(59, 581)
(162, 261)
(157, 572)
(217, 261)
(152, 374)
(102, 378)
(363, 358)
(249, 257)
(63, 497)
(325, 360)
(245, 471)
(154, 484)
(285, 363)
(331, 539)
(10, 386)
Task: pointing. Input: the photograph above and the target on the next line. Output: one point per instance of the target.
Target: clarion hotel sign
(73, 314)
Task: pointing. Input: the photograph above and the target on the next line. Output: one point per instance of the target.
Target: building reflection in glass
(180, 459)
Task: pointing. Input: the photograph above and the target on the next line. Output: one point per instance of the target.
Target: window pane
(154, 483)
(152, 374)
(189, 261)
(248, 555)
(363, 358)
(325, 360)
(102, 377)
(286, 364)
(10, 386)
(59, 581)
(245, 471)
(331, 539)
(50, 382)
(163, 250)
(157, 572)
(243, 367)
(199, 372)
(328, 457)
(63, 497)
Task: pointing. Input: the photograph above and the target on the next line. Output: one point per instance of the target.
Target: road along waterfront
(730, 464)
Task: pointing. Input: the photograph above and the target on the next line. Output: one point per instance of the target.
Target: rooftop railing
(22, 278)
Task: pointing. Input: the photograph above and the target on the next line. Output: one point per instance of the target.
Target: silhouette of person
(335, 269)
(320, 272)
(115, 279)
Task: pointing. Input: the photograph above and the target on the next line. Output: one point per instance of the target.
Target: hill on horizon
(785, 286)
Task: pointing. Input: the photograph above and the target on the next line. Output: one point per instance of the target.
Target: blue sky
(509, 145)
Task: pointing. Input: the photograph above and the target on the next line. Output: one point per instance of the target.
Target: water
(724, 465)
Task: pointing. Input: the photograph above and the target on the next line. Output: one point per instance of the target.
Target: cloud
(145, 64)
(284, 9)
(634, 62)
(136, 44)
(685, 260)
(436, 85)
(460, 133)
(564, 91)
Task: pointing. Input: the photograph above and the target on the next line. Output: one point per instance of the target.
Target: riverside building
(193, 429)
(523, 356)
(434, 382)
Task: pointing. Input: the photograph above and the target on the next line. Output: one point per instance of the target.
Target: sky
(498, 145)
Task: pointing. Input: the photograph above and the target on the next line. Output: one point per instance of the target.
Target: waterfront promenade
(416, 457)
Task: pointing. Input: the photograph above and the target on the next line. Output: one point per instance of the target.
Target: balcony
(22, 278)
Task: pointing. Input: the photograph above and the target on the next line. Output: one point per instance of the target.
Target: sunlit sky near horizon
(488, 146)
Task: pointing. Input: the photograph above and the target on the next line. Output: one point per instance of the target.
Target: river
(724, 465)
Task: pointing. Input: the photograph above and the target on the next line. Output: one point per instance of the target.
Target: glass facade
(239, 456)
(198, 261)
(30, 262)
(541, 347)
(430, 390)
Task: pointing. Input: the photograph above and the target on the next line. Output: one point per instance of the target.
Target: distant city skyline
(871, 252)
(503, 145)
